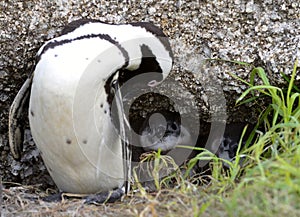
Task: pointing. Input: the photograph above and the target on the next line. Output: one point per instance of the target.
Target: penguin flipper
(15, 128)
(105, 197)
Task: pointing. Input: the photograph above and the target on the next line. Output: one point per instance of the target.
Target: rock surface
(263, 33)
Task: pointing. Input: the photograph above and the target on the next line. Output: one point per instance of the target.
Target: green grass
(271, 183)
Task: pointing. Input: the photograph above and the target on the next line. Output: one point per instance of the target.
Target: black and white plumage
(71, 95)
(163, 130)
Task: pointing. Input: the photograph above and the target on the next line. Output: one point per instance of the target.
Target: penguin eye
(174, 126)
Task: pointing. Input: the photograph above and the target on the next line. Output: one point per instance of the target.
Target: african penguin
(71, 93)
(163, 130)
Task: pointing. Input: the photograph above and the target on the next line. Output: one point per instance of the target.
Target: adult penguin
(70, 99)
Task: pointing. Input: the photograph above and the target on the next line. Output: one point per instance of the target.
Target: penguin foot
(105, 197)
(53, 198)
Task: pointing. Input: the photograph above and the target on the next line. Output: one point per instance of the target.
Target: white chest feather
(73, 132)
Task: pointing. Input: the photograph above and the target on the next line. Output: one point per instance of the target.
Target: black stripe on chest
(53, 44)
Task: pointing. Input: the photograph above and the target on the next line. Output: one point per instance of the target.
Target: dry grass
(25, 201)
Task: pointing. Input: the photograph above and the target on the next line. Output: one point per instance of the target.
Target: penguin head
(163, 130)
